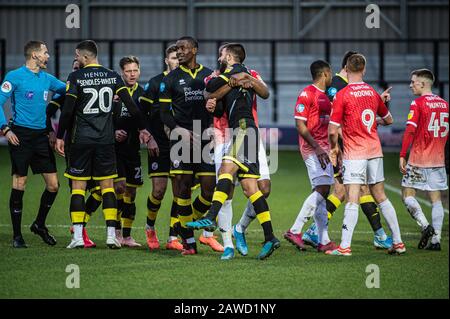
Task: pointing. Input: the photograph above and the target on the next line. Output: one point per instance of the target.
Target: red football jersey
(355, 108)
(429, 114)
(314, 107)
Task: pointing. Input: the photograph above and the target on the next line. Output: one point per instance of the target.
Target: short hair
(223, 46)
(171, 48)
(317, 67)
(237, 50)
(32, 46)
(88, 45)
(191, 40)
(346, 56)
(424, 73)
(356, 63)
(128, 60)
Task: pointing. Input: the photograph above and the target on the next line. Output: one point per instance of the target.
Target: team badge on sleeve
(332, 91)
(6, 87)
(67, 85)
(410, 114)
(300, 108)
(162, 87)
(146, 86)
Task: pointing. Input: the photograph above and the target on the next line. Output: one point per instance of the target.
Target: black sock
(153, 206)
(174, 222)
(370, 209)
(128, 215)
(263, 214)
(93, 203)
(200, 206)
(220, 195)
(15, 208)
(47, 200)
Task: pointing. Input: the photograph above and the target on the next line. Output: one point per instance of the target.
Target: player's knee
(265, 188)
(53, 187)
(119, 188)
(323, 190)
(158, 193)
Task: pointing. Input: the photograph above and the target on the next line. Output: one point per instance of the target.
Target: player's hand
(52, 139)
(12, 138)
(215, 74)
(402, 165)
(335, 154)
(386, 95)
(59, 147)
(120, 135)
(322, 156)
(238, 79)
(211, 105)
(152, 147)
(144, 136)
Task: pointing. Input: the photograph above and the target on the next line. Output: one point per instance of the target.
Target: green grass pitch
(40, 271)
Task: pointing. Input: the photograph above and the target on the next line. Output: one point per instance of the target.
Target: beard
(222, 66)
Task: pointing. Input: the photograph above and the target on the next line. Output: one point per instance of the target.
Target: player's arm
(218, 87)
(335, 126)
(248, 81)
(57, 85)
(7, 89)
(408, 136)
(383, 113)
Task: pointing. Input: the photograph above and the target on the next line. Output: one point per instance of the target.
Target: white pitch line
(398, 191)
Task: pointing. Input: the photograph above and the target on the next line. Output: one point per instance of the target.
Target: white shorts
(317, 175)
(425, 179)
(219, 152)
(363, 171)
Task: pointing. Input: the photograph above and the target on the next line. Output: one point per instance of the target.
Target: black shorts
(91, 160)
(159, 166)
(129, 166)
(200, 163)
(243, 151)
(91, 185)
(33, 151)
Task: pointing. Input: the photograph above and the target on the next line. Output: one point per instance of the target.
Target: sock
(333, 204)
(119, 199)
(413, 207)
(77, 212)
(349, 224)
(263, 214)
(220, 195)
(391, 218)
(200, 206)
(78, 231)
(109, 207)
(153, 206)
(185, 215)
(370, 209)
(128, 215)
(437, 215)
(225, 219)
(247, 217)
(47, 200)
(308, 209)
(15, 208)
(321, 220)
(173, 220)
(92, 204)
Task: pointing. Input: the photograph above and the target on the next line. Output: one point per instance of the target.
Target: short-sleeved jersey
(123, 120)
(238, 102)
(94, 87)
(355, 109)
(314, 107)
(28, 92)
(429, 114)
(152, 92)
(183, 88)
(338, 82)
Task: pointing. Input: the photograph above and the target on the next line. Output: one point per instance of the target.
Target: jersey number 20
(104, 103)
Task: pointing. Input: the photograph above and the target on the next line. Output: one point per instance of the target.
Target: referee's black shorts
(33, 151)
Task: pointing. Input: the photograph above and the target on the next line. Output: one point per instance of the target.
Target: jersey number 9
(104, 103)
(368, 118)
